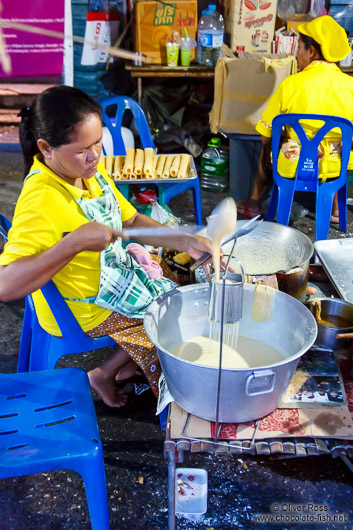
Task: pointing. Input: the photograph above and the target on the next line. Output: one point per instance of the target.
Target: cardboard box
(155, 21)
(250, 24)
(281, 423)
(243, 87)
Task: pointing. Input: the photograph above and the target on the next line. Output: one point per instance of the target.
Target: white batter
(250, 353)
(221, 225)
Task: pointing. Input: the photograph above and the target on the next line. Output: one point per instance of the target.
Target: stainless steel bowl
(331, 309)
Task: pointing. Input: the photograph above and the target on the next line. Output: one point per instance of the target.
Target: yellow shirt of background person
(321, 88)
(44, 212)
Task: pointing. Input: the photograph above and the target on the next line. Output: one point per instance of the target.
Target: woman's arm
(266, 139)
(26, 275)
(195, 245)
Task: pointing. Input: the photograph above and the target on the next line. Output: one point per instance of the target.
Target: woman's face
(304, 56)
(80, 157)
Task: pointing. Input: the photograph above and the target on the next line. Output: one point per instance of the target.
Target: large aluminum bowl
(246, 394)
(271, 248)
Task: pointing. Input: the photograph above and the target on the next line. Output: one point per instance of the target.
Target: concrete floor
(239, 487)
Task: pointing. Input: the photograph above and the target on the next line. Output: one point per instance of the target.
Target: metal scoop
(245, 229)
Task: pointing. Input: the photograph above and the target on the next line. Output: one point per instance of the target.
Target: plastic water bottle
(210, 36)
(214, 167)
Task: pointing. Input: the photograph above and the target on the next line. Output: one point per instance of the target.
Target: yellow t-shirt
(45, 210)
(321, 88)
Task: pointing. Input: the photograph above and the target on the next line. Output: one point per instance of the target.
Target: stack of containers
(88, 77)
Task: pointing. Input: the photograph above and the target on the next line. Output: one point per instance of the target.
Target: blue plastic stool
(39, 350)
(307, 176)
(114, 123)
(172, 190)
(48, 422)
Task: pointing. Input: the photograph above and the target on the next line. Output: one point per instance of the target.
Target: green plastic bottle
(214, 167)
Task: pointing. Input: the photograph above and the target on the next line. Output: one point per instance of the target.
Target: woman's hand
(197, 246)
(93, 236)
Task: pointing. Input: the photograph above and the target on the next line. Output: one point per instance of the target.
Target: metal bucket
(246, 394)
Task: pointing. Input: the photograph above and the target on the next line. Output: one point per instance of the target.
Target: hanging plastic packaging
(345, 17)
(102, 28)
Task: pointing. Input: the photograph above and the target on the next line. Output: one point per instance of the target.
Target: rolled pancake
(184, 166)
(175, 166)
(167, 165)
(160, 166)
(139, 161)
(118, 166)
(147, 167)
(129, 161)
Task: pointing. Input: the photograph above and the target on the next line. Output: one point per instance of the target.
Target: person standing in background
(319, 88)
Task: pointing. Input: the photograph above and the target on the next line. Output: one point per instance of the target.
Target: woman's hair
(53, 116)
(309, 41)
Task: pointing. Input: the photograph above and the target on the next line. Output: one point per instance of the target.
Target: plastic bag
(157, 212)
(285, 9)
(174, 133)
(345, 18)
(161, 215)
(317, 8)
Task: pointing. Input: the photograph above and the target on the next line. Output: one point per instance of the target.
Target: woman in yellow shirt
(67, 226)
(319, 88)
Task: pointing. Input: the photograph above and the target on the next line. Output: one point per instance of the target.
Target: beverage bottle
(214, 167)
(210, 36)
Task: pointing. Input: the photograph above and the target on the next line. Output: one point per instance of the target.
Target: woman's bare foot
(126, 371)
(105, 387)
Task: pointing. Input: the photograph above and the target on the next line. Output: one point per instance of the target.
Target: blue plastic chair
(5, 226)
(114, 123)
(307, 176)
(48, 422)
(39, 350)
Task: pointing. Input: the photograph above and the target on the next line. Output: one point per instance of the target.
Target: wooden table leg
(139, 90)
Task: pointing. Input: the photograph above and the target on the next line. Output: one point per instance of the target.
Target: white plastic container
(210, 36)
(190, 491)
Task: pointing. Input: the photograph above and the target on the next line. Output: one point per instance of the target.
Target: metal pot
(333, 307)
(275, 249)
(246, 394)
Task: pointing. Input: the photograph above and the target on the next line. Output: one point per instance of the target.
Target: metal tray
(192, 175)
(336, 258)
